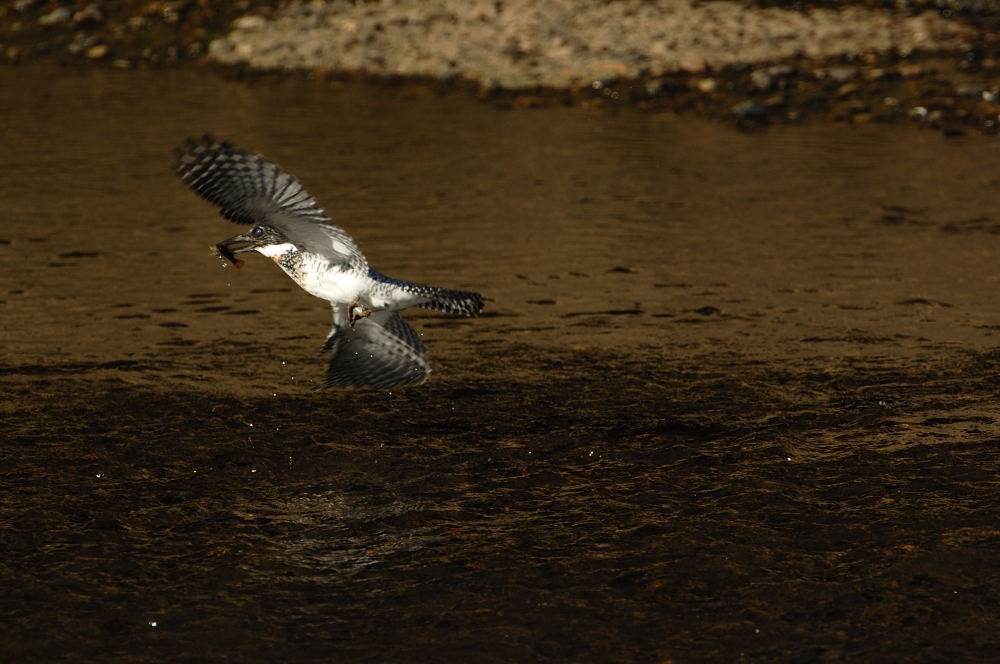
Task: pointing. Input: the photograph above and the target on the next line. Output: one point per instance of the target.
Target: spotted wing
(249, 190)
(382, 350)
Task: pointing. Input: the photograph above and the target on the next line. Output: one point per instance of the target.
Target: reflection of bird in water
(370, 343)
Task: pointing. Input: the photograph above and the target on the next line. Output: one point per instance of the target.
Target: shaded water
(734, 397)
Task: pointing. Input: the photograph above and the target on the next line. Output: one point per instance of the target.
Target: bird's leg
(339, 323)
(357, 311)
(332, 340)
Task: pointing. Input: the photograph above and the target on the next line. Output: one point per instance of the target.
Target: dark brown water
(735, 397)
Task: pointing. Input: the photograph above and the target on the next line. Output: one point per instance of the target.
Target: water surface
(734, 397)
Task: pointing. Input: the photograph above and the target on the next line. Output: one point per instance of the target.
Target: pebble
(970, 90)
(761, 80)
(97, 51)
(910, 70)
(842, 74)
(848, 89)
(656, 87)
(89, 15)
(137, 22)
(251, 22)
(692, 65)
(80, 44)
(750, 110)
(707, 85)
(56, 16)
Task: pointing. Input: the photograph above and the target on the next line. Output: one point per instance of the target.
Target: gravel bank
(523, 44)
(745, 62)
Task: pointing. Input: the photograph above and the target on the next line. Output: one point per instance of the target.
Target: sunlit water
(734, 395)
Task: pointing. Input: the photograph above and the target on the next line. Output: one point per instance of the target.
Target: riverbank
(745, 63)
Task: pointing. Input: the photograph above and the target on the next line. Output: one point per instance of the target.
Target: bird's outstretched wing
(249, 189)
(382, 350)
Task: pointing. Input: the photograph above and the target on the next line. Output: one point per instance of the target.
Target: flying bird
(370, 343)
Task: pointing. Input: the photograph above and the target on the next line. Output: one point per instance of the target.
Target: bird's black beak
(228, 249)
(237, 245)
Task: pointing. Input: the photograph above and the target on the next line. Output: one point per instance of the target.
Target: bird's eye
(257, 231)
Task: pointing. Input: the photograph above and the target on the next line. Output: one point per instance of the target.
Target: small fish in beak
(223, 252)
(227, 249)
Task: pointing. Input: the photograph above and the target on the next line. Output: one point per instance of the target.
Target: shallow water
(734, 397)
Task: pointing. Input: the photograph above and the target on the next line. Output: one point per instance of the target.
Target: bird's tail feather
(450, 301)
(464, 303)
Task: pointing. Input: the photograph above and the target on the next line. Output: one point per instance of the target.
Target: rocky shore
(565, 44)
(753, 64)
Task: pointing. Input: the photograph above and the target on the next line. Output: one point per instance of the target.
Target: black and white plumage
(370, 343)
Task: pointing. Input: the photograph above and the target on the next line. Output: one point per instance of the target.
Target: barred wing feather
(248, 189)
(382, 350)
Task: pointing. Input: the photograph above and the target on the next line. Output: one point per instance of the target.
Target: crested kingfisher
(370, 343)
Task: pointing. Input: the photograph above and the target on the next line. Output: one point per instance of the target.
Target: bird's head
(262, 238)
